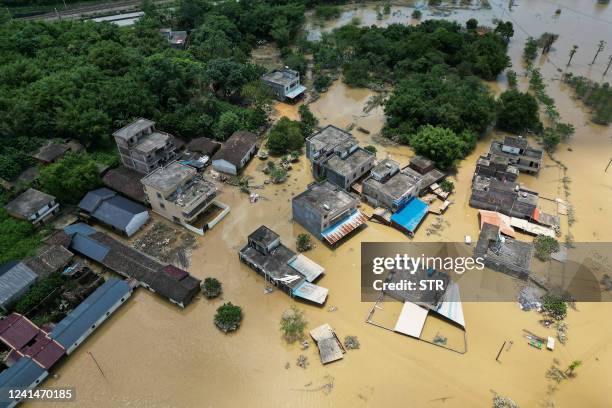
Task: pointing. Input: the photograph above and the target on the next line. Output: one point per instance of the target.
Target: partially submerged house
(25, 374)
(504, 254)
(144, 148)
(34, 206)
(516, 148)
(508, 198)
(50, 259)
(336, 156)
(90, 314)
(389, 187)
(327, 211)
(126, 181)
(168, 281)
(329, 345)
(425, 169)
(179, 193)
(16, 278)
(117, 212)
(293, 273)
(284, 83)
(235, 153)
(496, 166)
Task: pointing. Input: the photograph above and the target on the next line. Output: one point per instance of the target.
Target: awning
(411, 320)
(296, 92)
(409, 217)
(307, 267)
(337, 231)
(532, 228)
(311, 292)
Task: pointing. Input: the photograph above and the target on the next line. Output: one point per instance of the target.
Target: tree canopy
(70, 178)
(518, 112)
(285, 136)
(442, 145)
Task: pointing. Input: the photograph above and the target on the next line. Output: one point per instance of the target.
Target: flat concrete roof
(153, 142)
(397, 185)
(133, 128)
(170, 177)
(329, 137)
(349, 164)
(281, 76)
(325, 197)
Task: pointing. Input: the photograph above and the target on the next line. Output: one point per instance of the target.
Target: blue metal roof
(21, 375)
(89, 247)
(105, 205)
(92, 200)
(80, 228)
(411, 215)
(81, 319)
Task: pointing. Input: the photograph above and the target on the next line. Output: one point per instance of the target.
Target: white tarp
(411, 320)
(307, 267)
(311, 292)
(531, 228)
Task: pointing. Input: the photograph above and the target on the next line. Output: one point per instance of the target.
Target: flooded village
(159, 348)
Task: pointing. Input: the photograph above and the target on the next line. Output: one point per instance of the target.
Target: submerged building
(496, 166)
(293, 273)
(504, 197)
(515, 148)
(284, 83)
(327, 211)
(389, 187)
(504, 254)
(33, 206)
(336, 156)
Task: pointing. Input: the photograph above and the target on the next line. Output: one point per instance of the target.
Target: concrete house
(389, 187)
(504, 197)
(179, 193)
(235, 153)
(117, 212)
(16, 278)
(504, 254)
(285, 83)
(336, 156)
(527, 159)
(142, 147)
(34, 206)
(176, 39)
(292, 273)
(496, 166)
(327, 211)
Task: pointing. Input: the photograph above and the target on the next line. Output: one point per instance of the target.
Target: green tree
(544, 247)
(70, 178)
(211, 287)
(471, 24)
(229, 123)
(416, 14)
(285, 136)
(308, 120)
(371, 149)
(228, 317)
(505, 29)
(439, 144)
(303, 243)
(518, 112)
(554, 306)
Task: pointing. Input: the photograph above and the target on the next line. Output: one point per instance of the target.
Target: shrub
(41, 289)
(416, 14)
(544, 246)
(447, 186)
(371, 149)
(211, 288)
(554, 306)
(471, 24)
(228, 317)
(322, 82)
(285, 136)
(70, 178)
(439, 144)
(303, 243)
(293, 324)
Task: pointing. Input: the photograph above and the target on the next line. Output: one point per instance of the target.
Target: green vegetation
(457, 103)
(554, 306)
(277, 174)
(285, 136)
(322, 82)
(327, 12)
(14, 156)
(471, 24)
(598, 97)
(211, 288)
(228, 317)
(512, 80)
(70, 178)
(447, 186)
(308, 120)
(518, 112)
(570, 372)
(292, 324)
(442, 145)
(371, 149)
(18, 238)
(303, 243)
(530, 52)
(41, 289)
(544, 246)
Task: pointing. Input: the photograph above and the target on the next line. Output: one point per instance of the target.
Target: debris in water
(606, 282)
(287, 365)
(351, 343)
(332, 309)
(302, 361)
(305, 344)
(562, 332)
(499, 401)
(439, 339)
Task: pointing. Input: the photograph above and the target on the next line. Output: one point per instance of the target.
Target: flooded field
(153, 354)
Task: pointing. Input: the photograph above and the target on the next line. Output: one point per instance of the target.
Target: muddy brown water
(156, 355)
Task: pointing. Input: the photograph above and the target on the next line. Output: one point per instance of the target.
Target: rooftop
(398, 185)
(236, 147)
(49, 152)
(325, 198)
(203, 145)
(421, 163)
(112, 209)
(52, 258)
(283, 76)
(168, 178)
(193, 190)
(263, 236)
(532, 152)
(351, 163)
(508, 255)
(153, 142)
(384, 168)
(28, 202)
(14, 278)
(329, 137)
(133, 128)
(516, 141)
(126, 181)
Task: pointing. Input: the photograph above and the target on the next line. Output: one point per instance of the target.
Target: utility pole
(600, 48)
(571, 55)
(510, 4)
(609, 63)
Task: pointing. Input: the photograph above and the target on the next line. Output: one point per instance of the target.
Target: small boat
(536, 343)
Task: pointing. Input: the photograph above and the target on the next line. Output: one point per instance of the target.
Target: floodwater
(153, 354)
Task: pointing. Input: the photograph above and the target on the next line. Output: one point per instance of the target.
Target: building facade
(142, 147)
(284, 83)
(389, 187)
(235, 153)
(34, 206)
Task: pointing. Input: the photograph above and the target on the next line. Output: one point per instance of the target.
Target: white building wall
(137, 222)
(224, 166)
